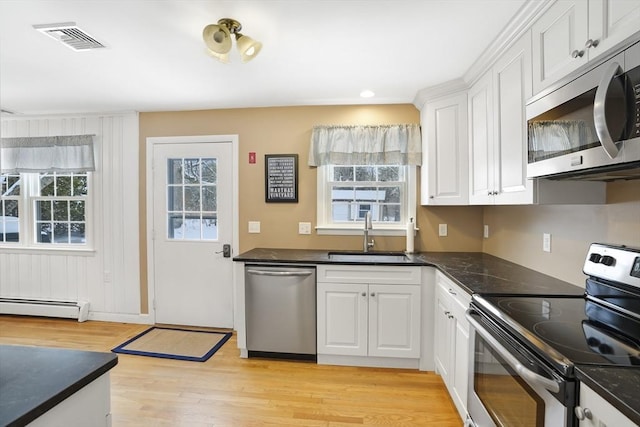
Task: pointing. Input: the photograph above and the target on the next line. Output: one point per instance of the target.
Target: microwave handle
(528, 374)
(599, 117)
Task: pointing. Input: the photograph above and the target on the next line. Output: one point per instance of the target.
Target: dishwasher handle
(279, 273)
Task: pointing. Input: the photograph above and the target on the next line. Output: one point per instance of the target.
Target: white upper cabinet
(572, 32)
(512, 87)
(481, 147)
(445, 162)
(610, 22)
(497, 130)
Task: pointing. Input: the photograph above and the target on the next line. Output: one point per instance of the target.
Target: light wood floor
(230, 391)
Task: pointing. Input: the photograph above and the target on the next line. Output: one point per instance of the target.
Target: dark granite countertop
(480, 273)
(35, 379)
(620, 386)
(476, 272)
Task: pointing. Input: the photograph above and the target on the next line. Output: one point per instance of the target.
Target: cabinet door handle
(450, 316)
(582, 413)
(592, 43)
(451, 292)
(577, 53)
(446, 313)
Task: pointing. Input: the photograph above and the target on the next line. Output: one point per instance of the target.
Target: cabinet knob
(592, 43)
(582, 413)
(446, 313)
(450, 316)
(577, 53)
(431, 197)
(373, 294)
(364, 294)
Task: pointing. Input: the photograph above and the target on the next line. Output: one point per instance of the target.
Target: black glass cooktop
(580, 330)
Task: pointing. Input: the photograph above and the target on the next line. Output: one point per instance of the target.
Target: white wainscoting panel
(109, 275)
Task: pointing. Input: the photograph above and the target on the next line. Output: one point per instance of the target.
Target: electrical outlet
(546, 242)
(304, 228)
(254, 226)
(442, 230)
(486, 231)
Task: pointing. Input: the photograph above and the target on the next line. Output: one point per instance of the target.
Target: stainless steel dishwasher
(280, 311)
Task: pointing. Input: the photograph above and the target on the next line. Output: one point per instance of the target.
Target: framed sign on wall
(281, 178)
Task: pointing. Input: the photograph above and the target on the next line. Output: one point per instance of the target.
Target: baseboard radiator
(48, 308)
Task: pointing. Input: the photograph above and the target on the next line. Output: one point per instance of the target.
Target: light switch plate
(442, 230)
(254, 226)
(486, 231)
(304, 228)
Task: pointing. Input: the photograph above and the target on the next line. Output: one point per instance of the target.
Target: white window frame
(325, 226)
(27, 208)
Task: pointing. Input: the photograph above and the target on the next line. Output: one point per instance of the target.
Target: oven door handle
(599, 112)
(548, 384)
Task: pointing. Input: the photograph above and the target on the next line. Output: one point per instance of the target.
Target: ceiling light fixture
(367, 93)
(217, 37)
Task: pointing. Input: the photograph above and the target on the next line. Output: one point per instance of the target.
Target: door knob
(226, 251)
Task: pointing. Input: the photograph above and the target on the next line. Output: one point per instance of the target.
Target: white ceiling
(316, 52)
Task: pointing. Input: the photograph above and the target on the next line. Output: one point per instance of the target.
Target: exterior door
(192, 221)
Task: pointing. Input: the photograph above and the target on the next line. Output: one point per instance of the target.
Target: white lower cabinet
(594, 411)
(367, 317)
(451, 340)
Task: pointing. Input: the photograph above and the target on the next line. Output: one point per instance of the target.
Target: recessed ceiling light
(367, 93)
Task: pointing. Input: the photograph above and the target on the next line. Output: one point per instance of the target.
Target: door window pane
(192, 199)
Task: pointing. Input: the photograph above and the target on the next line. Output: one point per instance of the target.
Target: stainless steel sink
(368, 256)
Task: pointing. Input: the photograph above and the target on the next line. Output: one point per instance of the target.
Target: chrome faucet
(367, 226)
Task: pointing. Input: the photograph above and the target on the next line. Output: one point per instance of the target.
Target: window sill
(47, 251)
(357, 231)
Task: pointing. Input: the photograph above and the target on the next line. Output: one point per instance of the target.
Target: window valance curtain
(72, 153)
(366, 145)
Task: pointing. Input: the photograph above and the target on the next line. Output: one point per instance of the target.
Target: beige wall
(516, 231)
(287, 130)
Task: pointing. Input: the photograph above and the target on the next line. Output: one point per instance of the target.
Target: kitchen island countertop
(35, 379)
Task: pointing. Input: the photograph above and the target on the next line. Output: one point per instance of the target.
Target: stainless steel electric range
(524, 348)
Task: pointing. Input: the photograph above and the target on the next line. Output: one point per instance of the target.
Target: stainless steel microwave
(588, 126)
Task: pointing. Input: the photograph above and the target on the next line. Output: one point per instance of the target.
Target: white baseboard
(370, 362)
(143, 319)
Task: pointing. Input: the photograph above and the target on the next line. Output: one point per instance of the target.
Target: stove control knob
(595, 258)
(583, 413)
(608, 260)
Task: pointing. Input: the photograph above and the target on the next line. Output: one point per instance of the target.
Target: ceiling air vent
(70, 35)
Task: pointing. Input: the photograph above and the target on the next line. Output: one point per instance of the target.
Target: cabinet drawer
(459, 296)
(399, 275)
